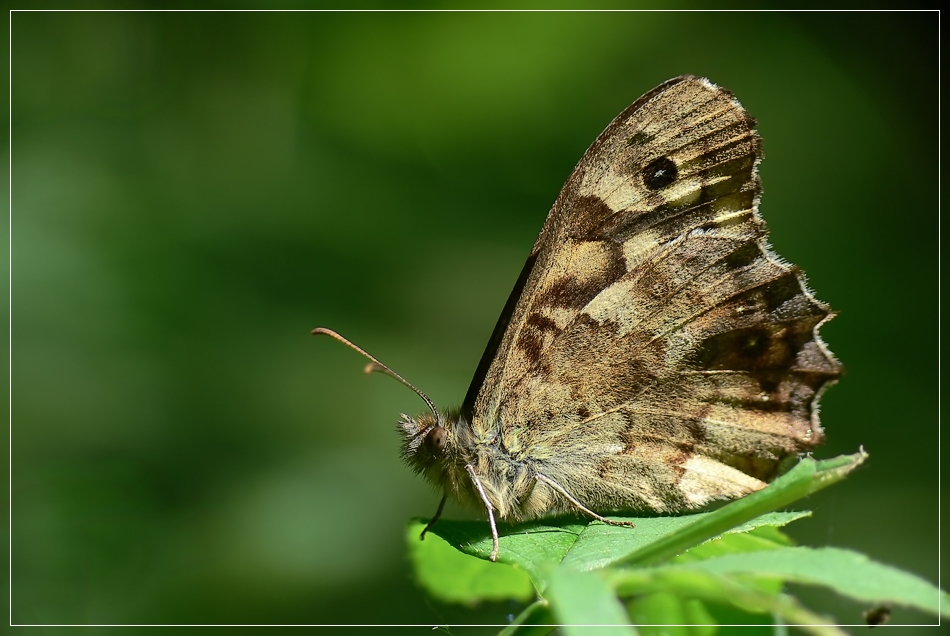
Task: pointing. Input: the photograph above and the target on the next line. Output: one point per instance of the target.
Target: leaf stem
(525, 614)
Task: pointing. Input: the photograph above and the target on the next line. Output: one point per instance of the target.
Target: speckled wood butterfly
(655, 354)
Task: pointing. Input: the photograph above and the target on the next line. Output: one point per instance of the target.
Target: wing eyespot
(659, 173)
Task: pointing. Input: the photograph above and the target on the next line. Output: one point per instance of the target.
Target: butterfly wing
(655, 353)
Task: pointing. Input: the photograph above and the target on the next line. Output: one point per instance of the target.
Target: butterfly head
(428, 444)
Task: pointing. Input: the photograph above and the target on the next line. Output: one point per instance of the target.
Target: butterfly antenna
(378, 366)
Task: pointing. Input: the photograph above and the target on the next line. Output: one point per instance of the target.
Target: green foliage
(694, 571)
(453, 576)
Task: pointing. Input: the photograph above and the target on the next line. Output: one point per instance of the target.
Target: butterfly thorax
(441, 449)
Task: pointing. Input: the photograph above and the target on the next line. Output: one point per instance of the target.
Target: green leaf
(756, 540)
(730, 562)
(578, 599)
(691, 583)
(533, 547)
(806, 477)
(848, 573)
(600, 545)
(454, 577)
(728, 544)
(665, 614)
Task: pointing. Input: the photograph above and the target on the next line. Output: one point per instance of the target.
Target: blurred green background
(192, 193)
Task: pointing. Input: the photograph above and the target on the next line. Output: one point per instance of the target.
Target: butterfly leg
(489, 508)
(556, 486)
(438, 513)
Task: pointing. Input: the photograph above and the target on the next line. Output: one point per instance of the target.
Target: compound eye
(435, 440)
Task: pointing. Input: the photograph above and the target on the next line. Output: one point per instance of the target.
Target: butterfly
(654, 354)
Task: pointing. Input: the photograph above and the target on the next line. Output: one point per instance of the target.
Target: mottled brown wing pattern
(658, 347)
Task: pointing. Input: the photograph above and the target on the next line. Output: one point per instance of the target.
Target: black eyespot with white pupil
(435, 440)
(659, 173)
(754, 345)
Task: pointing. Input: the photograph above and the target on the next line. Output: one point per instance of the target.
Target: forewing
(552, 258)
